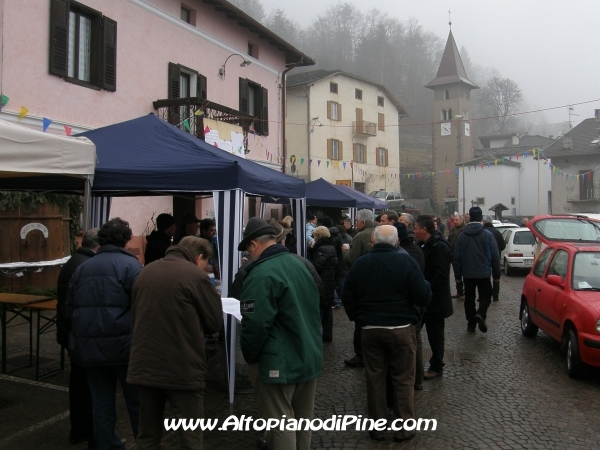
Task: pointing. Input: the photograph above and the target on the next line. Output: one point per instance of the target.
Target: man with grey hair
(408, 220)
(361, 245)
(383, 292)
(489, 225)
(80, 399)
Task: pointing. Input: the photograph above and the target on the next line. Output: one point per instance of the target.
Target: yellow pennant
(23, 112)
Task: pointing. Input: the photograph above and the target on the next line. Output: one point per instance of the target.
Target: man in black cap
(281, 333)
(160, 239)
(189, 227)
(476, 258)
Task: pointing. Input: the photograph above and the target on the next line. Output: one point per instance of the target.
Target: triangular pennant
(206, 129)
(23, 112)
(319, 163)
(301, 161)
(327, 163)
(344, 164)
(45, 123)
(68, 130)
(186, 124)
(310, 162)
(199, 113)
(4, 100)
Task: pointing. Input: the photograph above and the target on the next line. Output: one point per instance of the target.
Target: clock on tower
(446, 129)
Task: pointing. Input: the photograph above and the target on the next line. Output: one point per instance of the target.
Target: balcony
(189, 114)
(364, 128)
(588, 195)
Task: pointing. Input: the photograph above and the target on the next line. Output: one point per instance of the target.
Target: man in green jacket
(361, 245)
(281, 333)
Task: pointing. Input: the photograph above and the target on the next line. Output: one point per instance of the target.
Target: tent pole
(87, 204)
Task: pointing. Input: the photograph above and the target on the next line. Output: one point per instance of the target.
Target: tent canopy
(324, 194)
(32, 160)
(149, 155)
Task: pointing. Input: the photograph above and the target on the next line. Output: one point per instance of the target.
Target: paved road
(499, 391)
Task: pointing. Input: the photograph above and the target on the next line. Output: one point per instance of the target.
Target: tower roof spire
(451, 68)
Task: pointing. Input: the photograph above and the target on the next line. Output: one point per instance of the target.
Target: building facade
(344, 129)
(92, 63)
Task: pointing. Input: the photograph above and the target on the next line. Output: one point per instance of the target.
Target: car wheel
(507, 270)
(575, 367)
(527, 326)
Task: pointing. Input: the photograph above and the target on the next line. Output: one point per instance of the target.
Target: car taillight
(514, 255)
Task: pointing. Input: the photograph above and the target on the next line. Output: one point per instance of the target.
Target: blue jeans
(103, 387)
(337, 297)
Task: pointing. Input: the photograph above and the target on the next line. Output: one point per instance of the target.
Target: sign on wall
(225, 136)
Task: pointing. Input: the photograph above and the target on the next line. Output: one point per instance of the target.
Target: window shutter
(329, 148)
(340, 150)
(355, 152)
(381, 118)
(339, 111)
(386, 157)
(244, 96)
(59, 37)
(365, 154)
(109, 54)
(265, 112)
(328, 109)
(174, 83)
(201, 92)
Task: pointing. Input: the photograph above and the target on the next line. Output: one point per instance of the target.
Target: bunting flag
(344, 164)
(23, 112)
(199, 113)
(301, 161)
(310, 162)
(186, 124)
(206, 129)
(45, 123)
(68, 130)
(5, 100)
(326, 163)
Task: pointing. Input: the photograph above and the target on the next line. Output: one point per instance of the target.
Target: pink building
(93, 63)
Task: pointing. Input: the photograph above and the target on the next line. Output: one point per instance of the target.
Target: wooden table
(15, 303)
(41, 308)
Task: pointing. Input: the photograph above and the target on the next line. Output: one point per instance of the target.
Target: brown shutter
(265, 112)
(329, 148)
(174, 83)
(244, 95)
(386, 157)
(339, 111)
(59, 37)
(381, 124)
(355, 152)
(340, 150)
(365, 153)
(201, 91)
(328, 109)
(109, 54)
(359, 120)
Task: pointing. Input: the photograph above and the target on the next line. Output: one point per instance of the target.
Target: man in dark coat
(99, 306)
(383, 292)
(476, 259)
(188, 227)
(436, 251)
(160, 239)
(80, 399)
(488, 224)
(325, 261)
(459, 225)
(174, 306)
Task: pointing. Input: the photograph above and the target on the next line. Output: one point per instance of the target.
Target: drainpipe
(308, 125)
(284, 110)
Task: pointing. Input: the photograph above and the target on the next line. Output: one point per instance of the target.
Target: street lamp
(461, 157)
(244, 63)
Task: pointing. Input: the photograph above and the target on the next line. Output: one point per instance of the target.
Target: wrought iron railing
(364, 127)
(591, 194)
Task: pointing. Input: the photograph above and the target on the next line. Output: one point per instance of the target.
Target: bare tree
(500, 98)
(283, 26)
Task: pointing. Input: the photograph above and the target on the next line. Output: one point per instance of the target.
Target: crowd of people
(144, 327)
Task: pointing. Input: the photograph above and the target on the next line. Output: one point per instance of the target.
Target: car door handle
(539, 289)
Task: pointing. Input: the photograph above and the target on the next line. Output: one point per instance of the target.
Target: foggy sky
(549, 47)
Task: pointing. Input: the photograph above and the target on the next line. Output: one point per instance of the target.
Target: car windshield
(586, 271)
(568, 230)
(524, 238)
(378, 194)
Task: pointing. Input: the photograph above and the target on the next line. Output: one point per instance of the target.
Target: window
(443, 115)
(447, 94)
(184, 82)
(334, 111)
(254, 101)
(360, 153)
(512, 200)
(380, 101)
(185, 15)
(333, 88)
(586, 185)
(83, 45)
(358, 94)
(480, 201)
(253, 50)
(382, 156)
(559, 264)
(450, 114)
(334, 149)
(541, 263)
(381, 122)
(360, 187)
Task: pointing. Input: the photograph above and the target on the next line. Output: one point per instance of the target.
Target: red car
(561, 294)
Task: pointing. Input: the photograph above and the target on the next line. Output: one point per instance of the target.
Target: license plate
(528, 262)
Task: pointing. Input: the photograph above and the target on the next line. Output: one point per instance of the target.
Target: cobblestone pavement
(499, 391)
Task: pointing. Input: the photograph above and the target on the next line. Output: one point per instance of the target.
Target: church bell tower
(452, 128)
